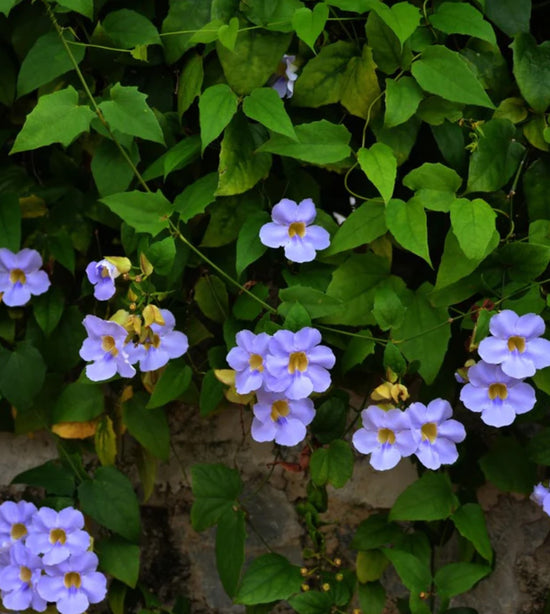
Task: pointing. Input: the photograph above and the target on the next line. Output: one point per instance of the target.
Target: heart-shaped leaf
(310, 23)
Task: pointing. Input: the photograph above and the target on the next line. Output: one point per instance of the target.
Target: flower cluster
(429, 432)
(283, 370)
(45, 557)
(21, 277)
(514, 351)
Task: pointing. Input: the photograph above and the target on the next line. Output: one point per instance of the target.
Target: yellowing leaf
(75, 430)
(105, 442)
(32, 206)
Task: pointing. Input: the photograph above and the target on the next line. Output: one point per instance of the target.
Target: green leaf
(6, 6)
(408, 224)
(330, 420)
(177, 157)
(84, 7)
(536, 183)
(269, 578)
(211, 393)
(53, 476)
(315, 302)
(387, 50)
(245, 307)
(332, 465)
(217, 105)
(357, 351)
(431, 497)
(461, 18)
(78, 403)
(48, 309)
(435, 185)
(469, 521)
(110, 169)
(186, 15)
(272, 14)
(401, 138)
(249, 246)
(196, 197)
(144, 211)
(22, 374)
(173, 382)
(370, 565)
(402, 18)
(375, 532)
(372, 598)
(57, 118)
(523, 261)
(311, 602)
(508, 468)
(9, 77)
(255, 58)
(402, 100)
(105, 441)
(414, 574)
(296, 316)
(513, 109)
(228, 32)
(538, 447)
(388, 309)
(10, 222)
(161, 254)
(128, 112)
(443, 72)
(456, 578)
(510, 16)
(190, 83)
(265, 106)
(241, 165)
(380, 166)
(230, 540)
(215, 488)
(227, 215)
(148, 426)
(360, 87)
(394, 360)
(473, 223)
(319, 142)
(46, 60)
(111, 501)
(364, 225)
(309, 24)
(119, 559)
(128, 29)
(211, 297)
(532, 71)
(495, 158)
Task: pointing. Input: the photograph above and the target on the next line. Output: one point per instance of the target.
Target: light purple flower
(102, 275)
(15, 519)
(296, 364)
(160, 344)
(20, 276)
(292, 229)
(247, 358)
(18, 580)
(105, 346)
(386, 435)
(57, 535)
(286, 75)
(516, 344)
(73, 584)
(496, 395)
(437, 433)
(281, 419)
(541, 496)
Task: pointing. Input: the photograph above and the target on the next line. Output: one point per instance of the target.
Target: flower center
(279, 409)
(72, 578)
(498, 391)
(17, 276)
(386, 436)
(516, 343)
(57, 536)
(297, 228)
(256, 362)
(25, 574)
(18, 530)
(429, 431)
(104, 272)
(297, 361)
(108, 344)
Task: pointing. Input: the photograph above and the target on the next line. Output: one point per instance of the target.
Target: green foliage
(120, 559)
(429, 498)
(333, 465)
(143, 211)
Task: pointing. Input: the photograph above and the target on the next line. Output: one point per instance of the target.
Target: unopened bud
(305, 587)
(326, 587)
(337, 562)
(339, 577)
(303, 571)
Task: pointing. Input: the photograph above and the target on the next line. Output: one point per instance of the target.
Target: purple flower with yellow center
(279, 419)
(386, 435)
(497, 396)
(285, 77)
(105, 346)
(437, 433)
(247, 358)
(57, 535)
(292, 229)
(296, 364)
(73, 584)
(18, 580)
(102, 275)
(20, 277)
(541, 496)
(516, 344)
(15, 519)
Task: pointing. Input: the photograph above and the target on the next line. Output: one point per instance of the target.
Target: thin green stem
(94, 46)
(350, 334)
(512, 193)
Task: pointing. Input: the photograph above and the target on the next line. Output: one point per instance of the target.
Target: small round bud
(339, 577)
(303, 571)
(305, 587)
(326, 587)
(337, 562)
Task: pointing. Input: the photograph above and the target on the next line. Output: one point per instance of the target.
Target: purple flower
(73, 584)
(20, 276)
(496, 395)
(18, 580)
(516, 344)
(247, 358)
(15, 519)
(438, 434)
(292, 229)
(102, 275)
(296, 364)
(281, 419)
(57, 535)
(286, 75)
(159, 344)
(386, 436)
(541, 496)
(105, 347)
